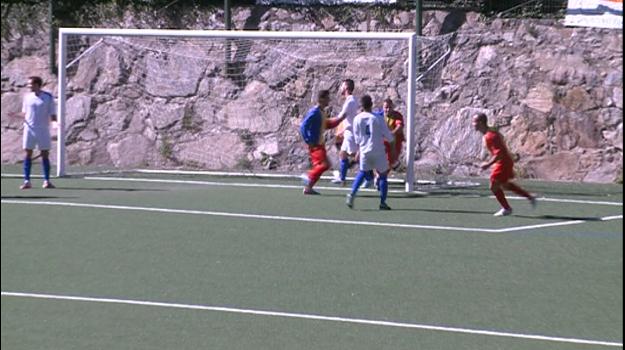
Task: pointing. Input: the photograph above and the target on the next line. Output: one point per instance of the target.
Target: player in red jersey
(502, 163)
(315, 122)
(395, 122)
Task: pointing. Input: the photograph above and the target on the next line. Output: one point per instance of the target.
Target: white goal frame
(411, 38)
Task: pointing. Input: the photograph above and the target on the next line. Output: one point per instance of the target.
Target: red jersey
(497, 147)
(393, 120)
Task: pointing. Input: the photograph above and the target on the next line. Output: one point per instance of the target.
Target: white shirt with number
(370, 132)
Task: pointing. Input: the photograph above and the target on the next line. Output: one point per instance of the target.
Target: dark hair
(388, 101)
(36, 80)
(350, 85)
(481, 118)
(323, 94)
(366, 103)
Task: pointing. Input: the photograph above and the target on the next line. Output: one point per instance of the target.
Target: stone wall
(554, 92)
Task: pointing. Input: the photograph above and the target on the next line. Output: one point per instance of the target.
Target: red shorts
(502, 173)
(393, 150)
(318, 155)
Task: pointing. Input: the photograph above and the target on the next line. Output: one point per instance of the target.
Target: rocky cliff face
(554, 92)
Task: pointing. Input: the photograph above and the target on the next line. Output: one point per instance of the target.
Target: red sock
(501, 198)
(518, 190)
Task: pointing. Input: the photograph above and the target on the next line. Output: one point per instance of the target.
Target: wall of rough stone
(554, 92)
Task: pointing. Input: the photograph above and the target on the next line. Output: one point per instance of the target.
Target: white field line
(252, 216)
(335, 188)
(565, 200)
(303, 219)
(562, 223)
(242, 174)
(316, 318)
(234, 184)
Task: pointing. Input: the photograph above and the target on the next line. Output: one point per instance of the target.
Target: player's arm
(52, 110)
(386, 132)
(399, 126)
(497, 157)
(332, 123)
(357, 131)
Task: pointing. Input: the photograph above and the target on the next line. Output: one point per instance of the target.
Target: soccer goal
(141, 98)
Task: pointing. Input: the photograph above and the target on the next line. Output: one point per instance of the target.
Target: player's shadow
(110, 189)
(36, 197)
(447, 211)
(559, 217)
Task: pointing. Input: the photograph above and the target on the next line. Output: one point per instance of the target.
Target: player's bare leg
(497, 189)
(520, 191)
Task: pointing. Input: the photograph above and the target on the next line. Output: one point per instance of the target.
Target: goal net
(221, 100)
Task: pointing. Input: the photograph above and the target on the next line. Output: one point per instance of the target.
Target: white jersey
(38, 109)
(370, 132)
(350, 109)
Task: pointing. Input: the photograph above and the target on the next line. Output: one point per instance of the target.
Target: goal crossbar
(411, 38)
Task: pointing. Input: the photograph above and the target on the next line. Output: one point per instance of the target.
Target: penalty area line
(305, 219)
(314, 317)
(253, 216)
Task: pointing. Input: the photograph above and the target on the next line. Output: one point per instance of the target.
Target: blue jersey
(313, 126)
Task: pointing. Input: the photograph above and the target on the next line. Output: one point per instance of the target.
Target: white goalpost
(301, 61)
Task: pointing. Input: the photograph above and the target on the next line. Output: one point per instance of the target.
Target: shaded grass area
(562, 281)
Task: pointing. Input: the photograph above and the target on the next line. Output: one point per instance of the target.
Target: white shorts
(374, 161)
(39, 138)
(349, 142)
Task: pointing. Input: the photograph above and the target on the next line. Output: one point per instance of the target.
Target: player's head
(366, 103)
(387, 107)
(347, 87)
(323, 98)
(480, 122)
(35, 83)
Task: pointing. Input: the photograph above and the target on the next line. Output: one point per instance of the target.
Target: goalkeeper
(395, 122)
(312, 130)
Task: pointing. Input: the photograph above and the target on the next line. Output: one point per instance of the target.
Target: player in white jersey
(349, 146)
(38, 109)
(370, 131)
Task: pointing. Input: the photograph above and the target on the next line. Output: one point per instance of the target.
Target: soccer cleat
(349, 200)
(533, 202)
(310, 192)
(48, 184)
(26, 185)
(503, 212)
(305, 179)
(384, 206)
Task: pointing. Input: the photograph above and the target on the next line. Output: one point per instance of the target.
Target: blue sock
(383, 188)
(46, 169)
(360, 178)
(27, 165)
(343, 169)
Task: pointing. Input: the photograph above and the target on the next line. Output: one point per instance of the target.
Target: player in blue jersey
(315, 122)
